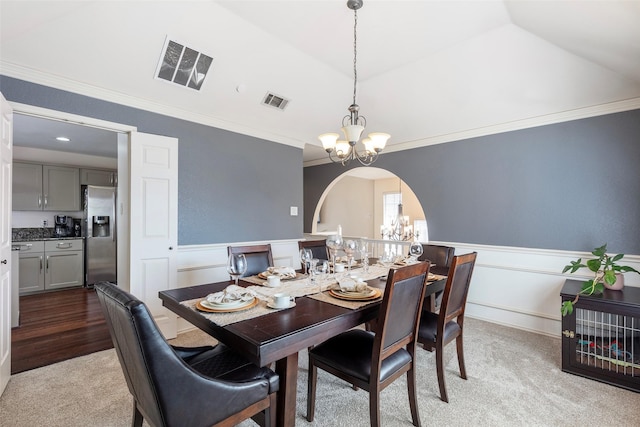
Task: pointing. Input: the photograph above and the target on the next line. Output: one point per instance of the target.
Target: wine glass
(415, 250)
(305, 258)
(364, 254)
(334, 242)
(313, 273)
(236, 266)
(322, 268)
(349, 248)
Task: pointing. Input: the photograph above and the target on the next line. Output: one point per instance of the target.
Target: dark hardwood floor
(56, 326)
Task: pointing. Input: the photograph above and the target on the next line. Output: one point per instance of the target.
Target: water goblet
(236, 266)
(349, 248)
(322, 269)
(415, 250)
(305, 258)
(313, 274)
(364, 254)
(334, 242)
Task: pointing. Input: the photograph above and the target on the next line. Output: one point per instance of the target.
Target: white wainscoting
(516, 287)
(520, 287)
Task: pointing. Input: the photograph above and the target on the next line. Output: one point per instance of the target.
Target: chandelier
(353, 124)
(400, 228)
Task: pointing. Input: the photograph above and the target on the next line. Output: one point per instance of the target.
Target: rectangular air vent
(275, 101)
(183, 65)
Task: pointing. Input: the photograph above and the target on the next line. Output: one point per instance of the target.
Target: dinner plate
(291, 305)
(229, 304)
(210, 309)
(355, 296)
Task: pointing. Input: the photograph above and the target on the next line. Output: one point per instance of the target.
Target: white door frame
(6, 288)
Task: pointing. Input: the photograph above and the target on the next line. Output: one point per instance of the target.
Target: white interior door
(153, 228)
(6, 159)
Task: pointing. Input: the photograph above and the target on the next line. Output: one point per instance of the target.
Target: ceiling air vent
(183, 65)
(275, 101)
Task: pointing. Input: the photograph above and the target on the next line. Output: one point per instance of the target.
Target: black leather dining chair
(436, 330)
(180, 386)
(372, 360)
(259, 257)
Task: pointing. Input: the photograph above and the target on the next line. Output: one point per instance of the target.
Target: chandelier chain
(355, 53)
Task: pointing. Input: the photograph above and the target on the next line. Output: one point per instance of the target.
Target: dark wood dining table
(280, 335)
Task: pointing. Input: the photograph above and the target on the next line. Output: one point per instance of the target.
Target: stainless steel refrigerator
(99, 232)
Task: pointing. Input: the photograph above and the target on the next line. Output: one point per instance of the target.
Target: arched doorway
(361, 200)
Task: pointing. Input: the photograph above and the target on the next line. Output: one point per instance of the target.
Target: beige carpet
(514, 379)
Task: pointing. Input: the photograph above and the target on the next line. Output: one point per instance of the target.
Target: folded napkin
(349, 284)
(232, 293)
(283, 272)
(406, 261)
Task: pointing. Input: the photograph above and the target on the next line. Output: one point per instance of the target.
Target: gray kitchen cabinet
(100, 177)
(63, 263)
(50, 264)
(31, 266)
(27, 187)
(45, 187)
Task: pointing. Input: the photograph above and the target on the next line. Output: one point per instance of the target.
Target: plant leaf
(610, 277)
(567, 308)
(600, 251)
(617, 257)
(594, 265)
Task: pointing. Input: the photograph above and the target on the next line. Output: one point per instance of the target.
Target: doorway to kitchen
(61, 324)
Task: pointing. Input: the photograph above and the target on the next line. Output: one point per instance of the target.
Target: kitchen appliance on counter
(99, 232)
(64, 226)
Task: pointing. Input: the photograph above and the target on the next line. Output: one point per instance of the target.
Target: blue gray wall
(567, 186)
(225, 192)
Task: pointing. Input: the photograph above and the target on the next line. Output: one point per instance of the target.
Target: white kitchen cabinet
(51, 264)
(45, 187)
(100, 177)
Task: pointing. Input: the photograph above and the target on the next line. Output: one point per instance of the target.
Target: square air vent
(275, 101)
(182, 65)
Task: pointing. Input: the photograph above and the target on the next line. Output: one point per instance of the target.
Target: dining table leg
(287, 370)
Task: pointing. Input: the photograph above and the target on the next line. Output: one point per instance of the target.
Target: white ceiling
(426, 69)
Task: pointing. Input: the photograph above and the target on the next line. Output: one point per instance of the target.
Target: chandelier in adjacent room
(400, 228)
(353, 124)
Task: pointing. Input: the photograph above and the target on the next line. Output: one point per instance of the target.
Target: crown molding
(547, 119)
(58, 82)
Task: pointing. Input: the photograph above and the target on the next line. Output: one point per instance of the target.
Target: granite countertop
(38, 233)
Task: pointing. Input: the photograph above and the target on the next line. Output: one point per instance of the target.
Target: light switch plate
(294, 211)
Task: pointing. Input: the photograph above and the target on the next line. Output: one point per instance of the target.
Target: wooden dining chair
(259, 257)
(372, 360)
(183, 386)
(441, 256)
(318, 248)
(437, 255)
(436, 330)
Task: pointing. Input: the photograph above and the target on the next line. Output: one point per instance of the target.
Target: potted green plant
(606, 272)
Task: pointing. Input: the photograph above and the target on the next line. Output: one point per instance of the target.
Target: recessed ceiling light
(63, 139)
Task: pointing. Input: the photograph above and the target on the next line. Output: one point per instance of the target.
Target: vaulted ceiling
(426, 69)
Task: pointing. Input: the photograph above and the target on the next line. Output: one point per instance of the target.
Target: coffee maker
(64, 226)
